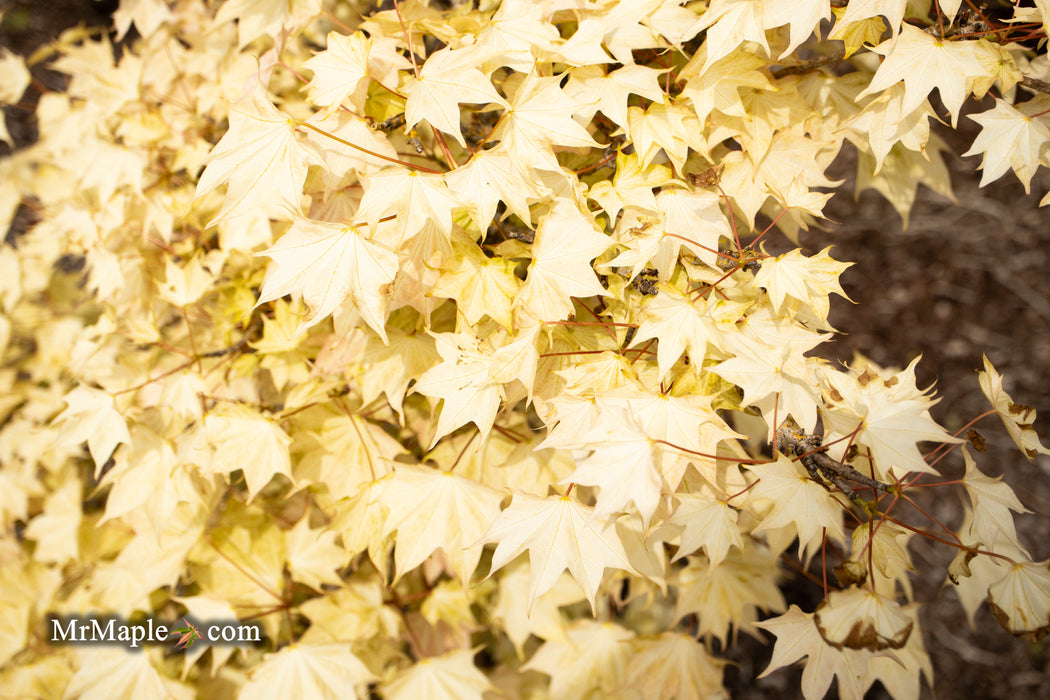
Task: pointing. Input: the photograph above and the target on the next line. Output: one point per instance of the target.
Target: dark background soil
(966, 279)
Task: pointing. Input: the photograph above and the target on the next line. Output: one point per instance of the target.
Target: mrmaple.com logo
(119, 632)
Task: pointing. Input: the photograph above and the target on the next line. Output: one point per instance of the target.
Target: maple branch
(444, 147)
(247, 574)
(937, 522)
(464, 450)
(719, 253)
(160, 376)
(812, 454)
(735, 460)
(413, 640)
(509, 434)
(193, 343)
(612, 333)
(595, 166)
(335, 20)
(1037, 85)
(294, 72)
(805, 574)
(590, 323)
(489, 135)
(644, 349)
(767, 229)
(408, 38)
(365, 150)
(368, 453)
(390, 90)
(806, 66)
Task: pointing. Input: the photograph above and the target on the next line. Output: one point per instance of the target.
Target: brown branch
(1037, 85)
(816, 461)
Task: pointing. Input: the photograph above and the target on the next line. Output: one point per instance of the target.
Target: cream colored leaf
(433, 510)
(451, 676)
(322, 671)
(260, 158)
(559, 534)
(1017, 418)
(323, 264)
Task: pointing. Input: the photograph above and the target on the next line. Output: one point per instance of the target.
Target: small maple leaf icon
(190, 634)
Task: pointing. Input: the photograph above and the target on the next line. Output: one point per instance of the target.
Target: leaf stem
(365, 150)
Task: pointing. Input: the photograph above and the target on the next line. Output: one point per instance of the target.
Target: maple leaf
(613, 89)
(669, 125)
(392, 366)
(859, 10)
(260, 158)
(1020, 601)
(313, 556)
(480, 285)
(631, 186)
(883, 123)
(491, 177)
(810, 280)
(513, 31)
(14, 78)
(1017, 418)
(91, 415)
(415, 198)
(188, 635)
(539, 116)
(707, 523)
(338, 158)
(1012, 137)
(992, 502)
(924, 62)
(776, 378)
(890, 415)
(696, 217)
(183, 286)
(566, 242)
(857, 618)
(560, 534)
(133, 671)
(729, 594)
(341, 451)
(148, 477)
(621, 465)
(432, 510)
(256, 18)
(797, 637)
(801, 16)
(323, 264)
(672, 665)
(593, 658)
(717, 85)
(324, 671)
(204, 608)
(543, 619)
(244, 439)
(447, 79)
(55, 529)
(470, 376)
(354, 612)
(730, 23)
(797, 502)
(451, 676)
(344, 69)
